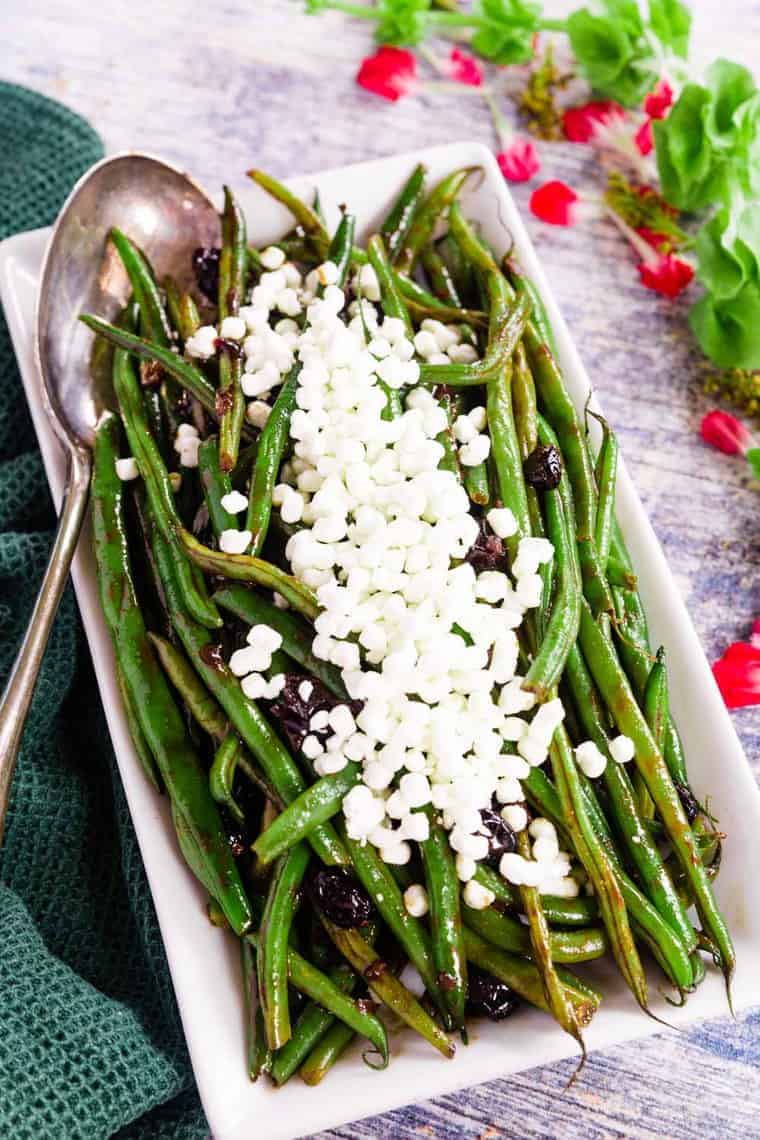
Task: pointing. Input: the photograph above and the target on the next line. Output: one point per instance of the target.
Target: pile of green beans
(253, 822)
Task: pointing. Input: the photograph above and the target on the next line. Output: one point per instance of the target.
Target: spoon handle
(17, 697)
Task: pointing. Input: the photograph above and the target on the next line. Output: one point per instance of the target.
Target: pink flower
(666, 274)
(738, 674)
(555, 203)
(644, 137)
(658, 102)
(519, 161)
(755, 635)
(463, 68)
(391, 72)
(729, 435)
(660, 242)
(581, 123)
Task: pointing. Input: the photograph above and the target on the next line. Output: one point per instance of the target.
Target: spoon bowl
(168, 216)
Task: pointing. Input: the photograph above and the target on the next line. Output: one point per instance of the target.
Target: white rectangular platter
(203, 961)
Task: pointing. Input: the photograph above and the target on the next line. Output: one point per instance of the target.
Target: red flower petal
(658, 102)
(554, 203)
(738, 675)
(464, 68)
(729, 435)
(755, 637)
(580, 123)
(391, 72)
(660, 242)
(644, 138)
(667, 275)
(520, 161)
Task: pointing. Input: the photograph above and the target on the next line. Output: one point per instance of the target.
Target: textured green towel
(90, 1040)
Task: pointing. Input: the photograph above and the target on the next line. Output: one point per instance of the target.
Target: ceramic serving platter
(203, 960)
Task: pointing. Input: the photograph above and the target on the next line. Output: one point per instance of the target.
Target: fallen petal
(520, 161)
(722, 430)
(391, 72)
(555, 203)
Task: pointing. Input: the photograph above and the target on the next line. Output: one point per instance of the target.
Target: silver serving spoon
(168, 216)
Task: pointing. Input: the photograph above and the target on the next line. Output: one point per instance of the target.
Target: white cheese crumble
(234, 502)
(416, 900)
(127, 468)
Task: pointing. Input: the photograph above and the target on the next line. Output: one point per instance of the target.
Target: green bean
(424, 304)
(377, 880)
(258, 1054)
(459, 266)
(158, 716)
(317, 986)
(428, 214)
(144, 289)
(560, 412)
(568, 946)
(233, 261)
(311, 1027)
(274, 935)
(341, 246)
(315, 805)
(399, 218)
(254, 729)
(505, 452)
(172, 297)
(272, 443)
(196, 696)
(307, 218)
(222, 774)
(540, 317)
(596, 862)
(445, 920)
(325, 1053)
(524, 403)
(557, 997)
(245, 568)
(185, 373)
(523, 977)
(605, 511)
(562, 626)
(216, 484)
(391, 299)
(387, 988)
(441, 282)
(506, 326)
(616, 692)
(559, 911)
(156, 478)
(617, 575)
(296, 634)
(664, 943)
(654, 705)
(450, 458)
(642, 850)
(144, 754)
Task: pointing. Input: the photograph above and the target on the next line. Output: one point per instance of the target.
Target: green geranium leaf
(506, 32)
(729, 85)
(729, 331)
(402, 23)
(670, 21)
(725, 262)
(690, 169)
(612, 52)
(753, 458)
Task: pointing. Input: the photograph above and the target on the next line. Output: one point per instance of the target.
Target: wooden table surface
(219, 86)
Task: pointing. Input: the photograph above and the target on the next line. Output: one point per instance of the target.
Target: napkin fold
(90, 1039)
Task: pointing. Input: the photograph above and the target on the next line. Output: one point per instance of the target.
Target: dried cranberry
(543, 468)
(488, 997)
(294, 713)
(688, 801)
(486, 552)
(206, 270)
(501, 838)
(340, 897)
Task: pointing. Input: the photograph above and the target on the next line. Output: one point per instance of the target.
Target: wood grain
(222, 85)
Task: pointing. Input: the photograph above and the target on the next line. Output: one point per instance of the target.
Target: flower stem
(642, 247)
(501, 126)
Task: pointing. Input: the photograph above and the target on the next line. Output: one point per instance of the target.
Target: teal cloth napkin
(90, 1039)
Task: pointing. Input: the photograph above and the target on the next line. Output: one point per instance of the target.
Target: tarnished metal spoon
(168, 216)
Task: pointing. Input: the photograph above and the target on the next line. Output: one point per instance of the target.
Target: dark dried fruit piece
(206, 270)
(543, 468)
(487, 551)
(501, 838)
(340, 897)
(488, 997)
(688, 800)
(294, 713)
